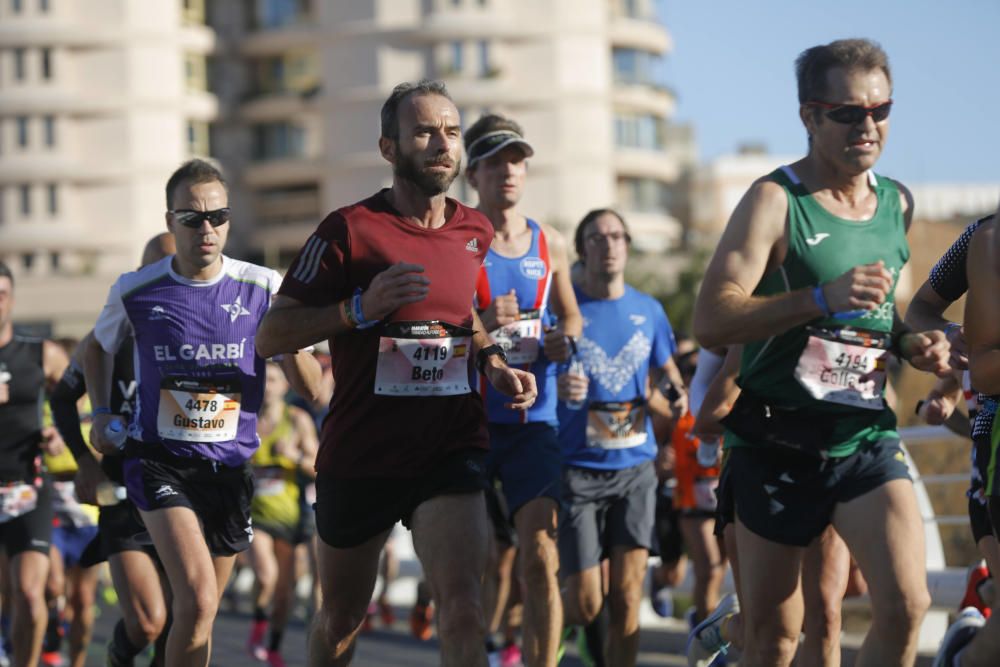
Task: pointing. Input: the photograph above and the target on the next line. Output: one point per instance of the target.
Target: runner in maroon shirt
(389, 281)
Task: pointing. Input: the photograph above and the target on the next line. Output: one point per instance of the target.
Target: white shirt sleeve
(113, 325)
(708, 367)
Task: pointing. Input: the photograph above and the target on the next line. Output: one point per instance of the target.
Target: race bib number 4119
(423, 359)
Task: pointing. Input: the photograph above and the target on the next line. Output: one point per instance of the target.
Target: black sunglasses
(852, 114)
(195, 219)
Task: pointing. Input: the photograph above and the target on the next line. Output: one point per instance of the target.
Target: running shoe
(274, 659)
(52, 659)
(705, 642)
(976, 576)
(663, 603)
(510, 655)
(255, 643)
(421, 621)
(369, 623)
(958, 636)
(386, 614)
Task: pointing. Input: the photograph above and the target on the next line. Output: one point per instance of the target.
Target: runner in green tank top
(804, 277)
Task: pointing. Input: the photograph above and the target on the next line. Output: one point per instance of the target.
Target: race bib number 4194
(423, 359)
(850, 370)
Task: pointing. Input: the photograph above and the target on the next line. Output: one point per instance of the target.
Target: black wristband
(896, 344)
(488, 351)
(920, 404)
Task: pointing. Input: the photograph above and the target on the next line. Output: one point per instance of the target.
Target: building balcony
(653, 232)
(59, 165)
(640, 34)
(269, 107)
(262, 43)
(59, 33)
(283, 171)
(644, 98)
(647, 163)
(450, 26)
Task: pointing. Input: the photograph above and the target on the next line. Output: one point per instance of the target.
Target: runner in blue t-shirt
(200, 382)
(523, 286)
(606, 434)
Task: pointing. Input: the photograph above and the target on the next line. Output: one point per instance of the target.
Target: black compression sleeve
(64, 411)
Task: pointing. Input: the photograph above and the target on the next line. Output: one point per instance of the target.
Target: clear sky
(733, 71)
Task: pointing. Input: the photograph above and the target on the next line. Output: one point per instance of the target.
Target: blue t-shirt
(622, 339)
(530, 276)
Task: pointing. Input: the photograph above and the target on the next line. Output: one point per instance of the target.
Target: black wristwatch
(488, 351)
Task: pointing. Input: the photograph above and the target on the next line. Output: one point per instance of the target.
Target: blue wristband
(356, 311)
(100, 411)
(821, 300)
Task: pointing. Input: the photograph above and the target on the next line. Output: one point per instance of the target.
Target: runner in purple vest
(200, 386)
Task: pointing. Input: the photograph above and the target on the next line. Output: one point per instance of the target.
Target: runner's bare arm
(519, 385)
(563, 297)
(305, 429)
(291, 325)
(54, 363)
(982, 310)
(722, 393)
(727, 312)
(304, 374)
(98, 365)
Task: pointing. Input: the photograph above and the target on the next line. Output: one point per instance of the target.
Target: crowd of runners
(504, 394)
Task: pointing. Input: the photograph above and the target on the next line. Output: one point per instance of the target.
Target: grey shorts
(604, 509)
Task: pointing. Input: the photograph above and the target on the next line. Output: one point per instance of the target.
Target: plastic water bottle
(115, 433)
(576, 368)
(708, 452)
(109, 493)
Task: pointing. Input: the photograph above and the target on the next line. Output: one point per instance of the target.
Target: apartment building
(101, 99)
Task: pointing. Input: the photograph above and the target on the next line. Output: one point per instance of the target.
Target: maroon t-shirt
(373, 435)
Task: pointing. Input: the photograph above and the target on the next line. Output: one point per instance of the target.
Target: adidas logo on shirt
(472, 246)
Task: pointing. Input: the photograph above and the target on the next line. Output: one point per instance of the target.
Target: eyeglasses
(195, 219)
(852, 114)
(612, 238)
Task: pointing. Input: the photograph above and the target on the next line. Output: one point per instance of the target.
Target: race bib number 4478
(423, 359)
(193, 411)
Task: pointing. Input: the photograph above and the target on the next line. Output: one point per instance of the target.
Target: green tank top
(276, 498)
(822, 247)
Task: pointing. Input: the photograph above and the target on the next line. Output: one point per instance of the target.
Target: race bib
(198, 411)
(521, 340)
(423, 359)
(270, 481)
(16, 500)
(704, 493)
(616, 425)
(846, 366)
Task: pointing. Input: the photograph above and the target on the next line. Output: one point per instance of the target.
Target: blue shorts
(527, 460)
(71, 540)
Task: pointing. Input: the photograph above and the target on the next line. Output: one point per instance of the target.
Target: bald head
(160, 246)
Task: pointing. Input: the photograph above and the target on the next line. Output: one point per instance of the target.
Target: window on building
(485, 68)
(457, 53)
(278, 13)
(195, 72)
(46, 64)
(3, 205)
(25, 196)
(52, 195)
(193, 12)
(44, 6)
(22, 131)
(646, 195)
(16, 6)
(278, 140)
(638, 131)
(197, 137)
(54, 260)
(633, 66)
(49, 125)
(19, 72)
